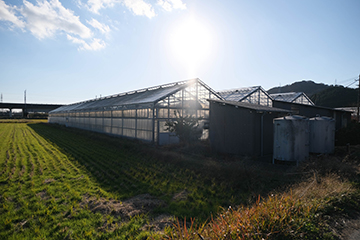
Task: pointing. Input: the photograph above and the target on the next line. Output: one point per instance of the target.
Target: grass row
(59, 182)
(42, 190)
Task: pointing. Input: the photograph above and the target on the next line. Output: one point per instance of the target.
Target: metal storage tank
(322, 135)
(291, 138)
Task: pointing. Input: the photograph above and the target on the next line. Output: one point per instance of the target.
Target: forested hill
(321, 94)
(308, 87)
(336, 96)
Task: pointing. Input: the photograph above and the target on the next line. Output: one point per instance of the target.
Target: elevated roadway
(29, 107)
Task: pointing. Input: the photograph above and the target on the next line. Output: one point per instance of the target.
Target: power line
(352, 83)
(346, 80)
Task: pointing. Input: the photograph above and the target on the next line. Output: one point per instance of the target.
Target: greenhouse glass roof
(143, 96)
(241, 93)
(237, 94)
(298, 97)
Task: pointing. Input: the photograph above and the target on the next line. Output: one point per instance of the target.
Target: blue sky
(68, 51)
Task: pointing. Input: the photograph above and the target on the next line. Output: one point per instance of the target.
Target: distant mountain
(308, 87)
(322, 94)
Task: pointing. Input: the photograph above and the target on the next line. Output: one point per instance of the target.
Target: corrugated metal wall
(238, 130)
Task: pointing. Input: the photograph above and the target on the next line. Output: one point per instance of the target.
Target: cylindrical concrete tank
(291, 138)
(322, 135)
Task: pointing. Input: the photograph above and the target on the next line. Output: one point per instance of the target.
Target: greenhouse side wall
(117, 122)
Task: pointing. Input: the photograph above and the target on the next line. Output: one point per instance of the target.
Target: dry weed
(137, 205)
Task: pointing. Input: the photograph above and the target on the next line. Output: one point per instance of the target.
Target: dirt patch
(181, 195)
(159, 223)
(346, 229)
(42, 195)
(131, 207)
(141, 204)
(49, 180)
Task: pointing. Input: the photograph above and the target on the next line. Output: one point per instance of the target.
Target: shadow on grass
(191, 180)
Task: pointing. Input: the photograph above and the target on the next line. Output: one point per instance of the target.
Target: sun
(191, 43)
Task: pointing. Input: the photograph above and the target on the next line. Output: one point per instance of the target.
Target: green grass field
(63, 183)
(58, 182)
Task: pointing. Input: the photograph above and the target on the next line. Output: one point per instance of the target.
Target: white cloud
(96, 5)
(101, 27)
(96, 44)
(169, 5)
(45, 19)
(139, 7)
(7, 14)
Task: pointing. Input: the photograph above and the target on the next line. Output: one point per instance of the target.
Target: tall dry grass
(300, 211)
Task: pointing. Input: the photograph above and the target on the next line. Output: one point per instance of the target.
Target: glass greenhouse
(293, 97)
(254, 95)
(140, 114)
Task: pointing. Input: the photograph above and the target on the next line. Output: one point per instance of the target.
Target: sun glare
(190, 44)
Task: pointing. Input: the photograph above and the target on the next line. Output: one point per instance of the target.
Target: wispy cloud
(7, 13)
(138, 7)
(95, 5)
(169, 5)
(96, 44)
(103, 28)
(46, 18)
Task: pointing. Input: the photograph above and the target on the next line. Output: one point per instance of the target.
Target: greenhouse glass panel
(163, 113)
(129, 133)
(145, 135)
(129, 113)
(107, 122)
(92, 121)
(303, 100)
(83, 120)
(129, 123)
(144, 124)
(175, 100)
(174, 113)
(107, 114)
(117, 113)
(265, 100)
(99, 121)
(107, 129)
(117, 122)
(143, 113)
(116, 131)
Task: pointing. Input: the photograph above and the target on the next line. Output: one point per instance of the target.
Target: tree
(185, 128)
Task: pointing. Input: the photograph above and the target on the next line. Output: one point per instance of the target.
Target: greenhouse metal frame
(292, 97)
(140, 114)
(255, 95)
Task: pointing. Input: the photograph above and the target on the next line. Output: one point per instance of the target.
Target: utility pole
(24, 110)
(1, 98)
(357, 117)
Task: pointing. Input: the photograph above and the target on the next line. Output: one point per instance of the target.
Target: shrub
(185, 127)
(350, 134)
